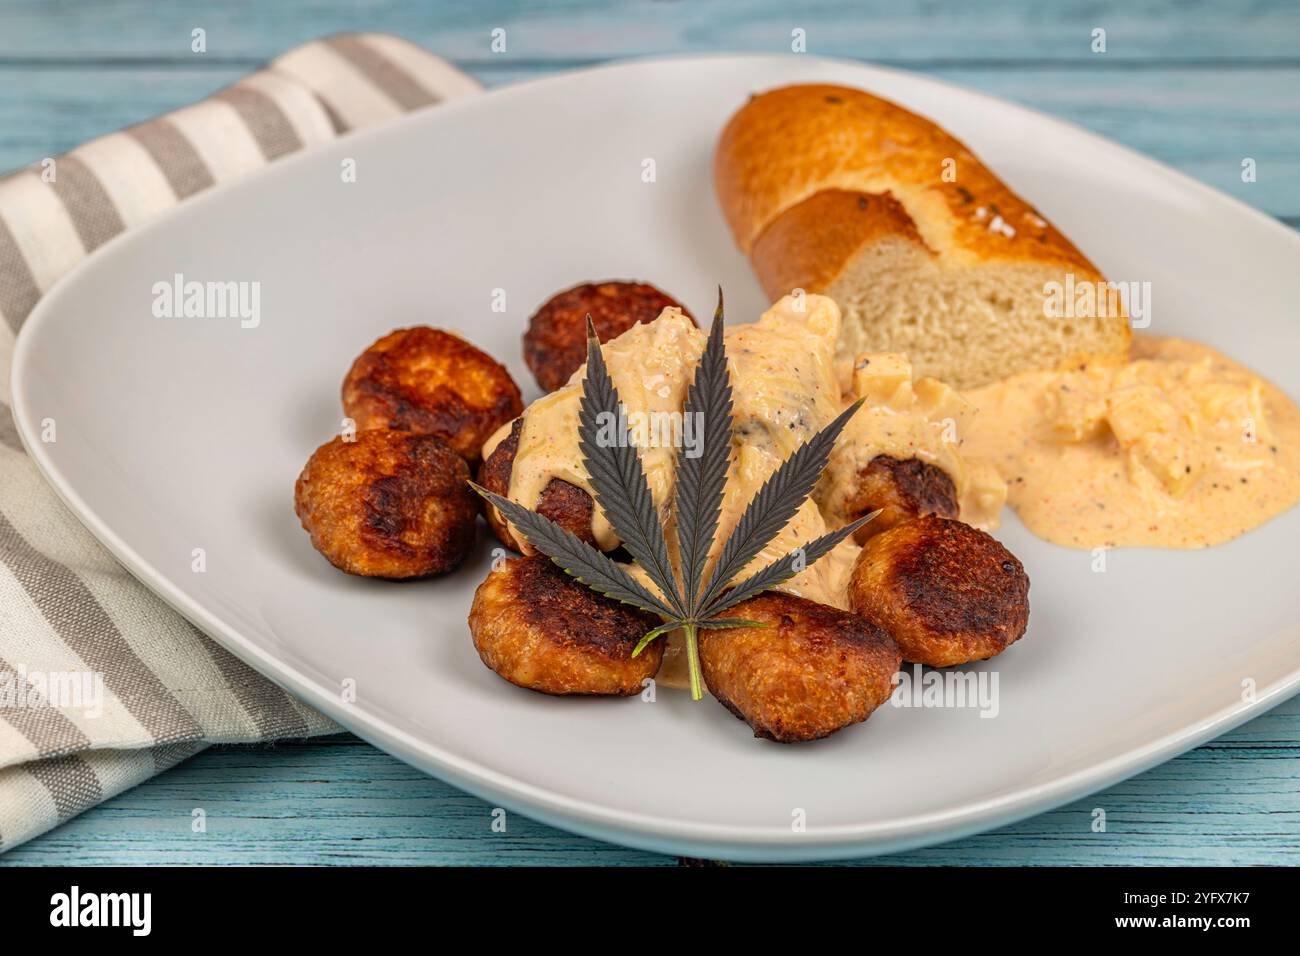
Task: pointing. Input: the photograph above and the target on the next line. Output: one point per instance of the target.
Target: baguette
(832, 190)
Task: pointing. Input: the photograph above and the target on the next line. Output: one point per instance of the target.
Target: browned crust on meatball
(388, 505)
(903, 489)
(555, 345)
(811, 671)
(567, 505)
(540, 629)
(430, 381)
(947, 593)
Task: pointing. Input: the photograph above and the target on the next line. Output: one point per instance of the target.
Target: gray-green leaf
(775, 504)
(617, 478)
(784, 569)
(576, 557)
(701, 479)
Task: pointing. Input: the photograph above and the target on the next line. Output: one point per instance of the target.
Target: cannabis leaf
(616, 475)
(591, 567)
(686, 599)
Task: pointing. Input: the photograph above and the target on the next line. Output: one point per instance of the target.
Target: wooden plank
(1202, 122)
(339, 800)
(1016, 30)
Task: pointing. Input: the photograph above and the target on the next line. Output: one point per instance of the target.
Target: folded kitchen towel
(102, 685)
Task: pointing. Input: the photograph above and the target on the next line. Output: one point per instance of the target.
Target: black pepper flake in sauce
(862, 202)
(966, 197)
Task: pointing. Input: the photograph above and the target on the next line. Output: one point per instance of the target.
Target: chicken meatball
(432, 382)
(812, 670)
(946, 592)
(540, 629)
(902, 489)
(567, 505)
(388, 504)
(555, 345)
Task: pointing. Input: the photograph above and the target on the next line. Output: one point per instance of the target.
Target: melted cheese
(904, 419)
(785, 389)
(784, 392)
(1179, 448)
(651, 365)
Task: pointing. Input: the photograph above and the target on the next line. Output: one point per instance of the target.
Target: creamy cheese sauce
(902, 418)
(1181, 447)
(785, 389)
(651, 365)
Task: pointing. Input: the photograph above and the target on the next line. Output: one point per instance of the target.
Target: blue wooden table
(1198, 85)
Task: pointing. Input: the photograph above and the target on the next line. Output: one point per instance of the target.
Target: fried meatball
(903, 489)
(388, 504)
(430, 381)
(540, 629)
(567, 505)
(811, 671)
(946, 592)
(555, 345)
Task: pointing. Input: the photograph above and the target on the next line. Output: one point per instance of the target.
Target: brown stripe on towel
(77, 617)
(70, 781)
(175, 155)
(9, 430)
(269, 707)
(45, 726)
(395, 82)
(274, 133)
(92, 211)
(337, 121)
(169, 755)
(18, 291)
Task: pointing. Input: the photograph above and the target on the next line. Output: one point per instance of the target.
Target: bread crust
(786, 146)
(825, 186)
(806, 246)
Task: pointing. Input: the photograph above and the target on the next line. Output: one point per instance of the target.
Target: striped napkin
(101, 684)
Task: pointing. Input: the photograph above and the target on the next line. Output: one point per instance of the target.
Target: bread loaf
(832, 190)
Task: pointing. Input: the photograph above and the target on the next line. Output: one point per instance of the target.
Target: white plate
(184, 433)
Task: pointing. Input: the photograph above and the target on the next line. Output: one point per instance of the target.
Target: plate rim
(640, 830)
